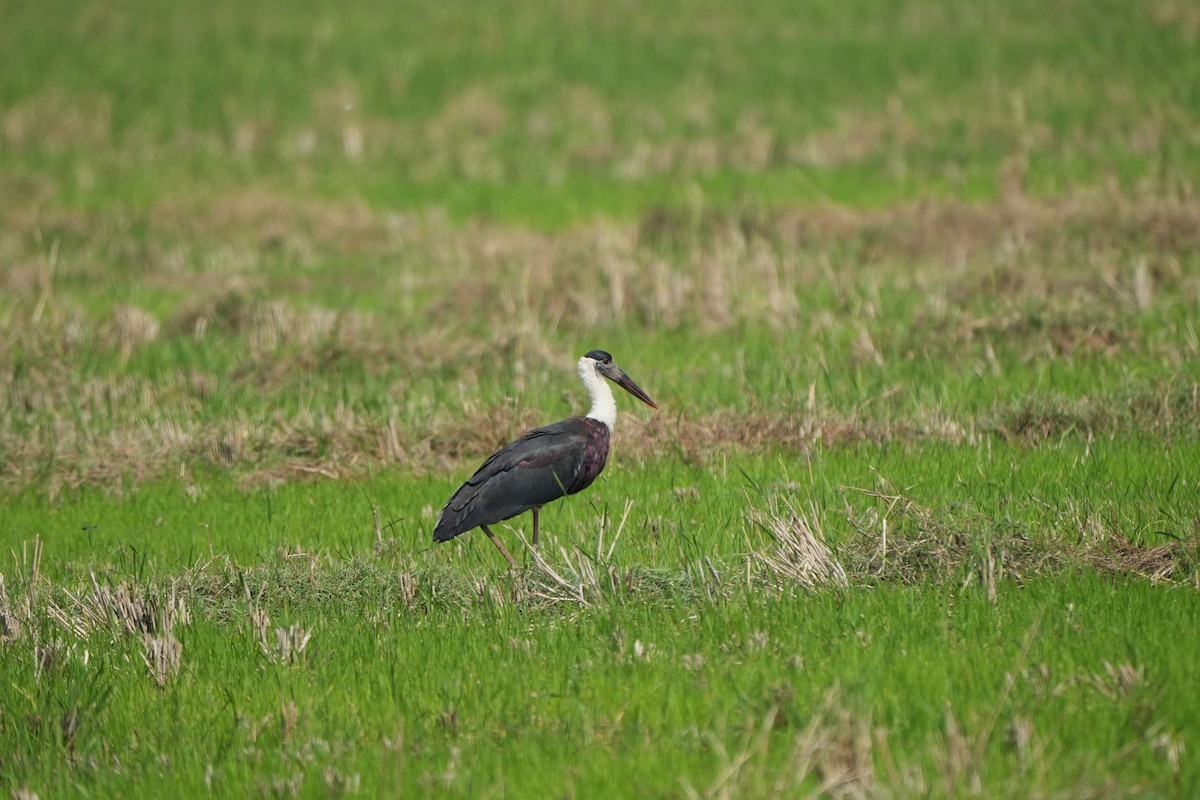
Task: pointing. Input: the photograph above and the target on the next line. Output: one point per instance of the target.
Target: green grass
(629, 698)
(429, 668)
(538, 117)
(917, 280)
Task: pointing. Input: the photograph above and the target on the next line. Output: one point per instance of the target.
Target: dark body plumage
(542, 466)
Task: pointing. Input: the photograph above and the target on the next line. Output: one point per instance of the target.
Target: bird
(545, 464)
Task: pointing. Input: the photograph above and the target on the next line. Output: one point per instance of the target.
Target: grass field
(915, 285)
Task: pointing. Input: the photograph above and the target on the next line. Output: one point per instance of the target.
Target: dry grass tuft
(897, 539)
(1120, 556)
(290, 646)
(791, 549)
(1120, 681)
(835, 751)
(131, 328)
(959, 758)
(1166, 411)
(589, 578)
(130, 610)
(578, 580)
(287, 646)
(162, 657)
(906, 542)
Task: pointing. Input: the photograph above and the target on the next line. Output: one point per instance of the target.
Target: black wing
(534, 470)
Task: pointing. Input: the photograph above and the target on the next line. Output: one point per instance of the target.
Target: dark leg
(536, 509)
(496, 542)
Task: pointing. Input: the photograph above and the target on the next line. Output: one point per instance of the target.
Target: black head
(606, 367)
(599, 355)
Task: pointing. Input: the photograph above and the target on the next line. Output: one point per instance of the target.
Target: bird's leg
(536, 509)
(496, 542)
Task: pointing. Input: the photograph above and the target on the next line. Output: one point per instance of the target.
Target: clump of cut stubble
(791, 548)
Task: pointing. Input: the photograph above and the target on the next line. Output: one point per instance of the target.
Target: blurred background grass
(546, 114)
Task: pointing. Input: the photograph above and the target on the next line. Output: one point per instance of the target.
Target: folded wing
(540, 467)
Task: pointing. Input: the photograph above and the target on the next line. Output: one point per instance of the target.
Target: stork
(544, 464)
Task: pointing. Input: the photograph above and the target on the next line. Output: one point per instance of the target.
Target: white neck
(604, 407)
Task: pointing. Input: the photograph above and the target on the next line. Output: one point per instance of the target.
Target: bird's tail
(446, 528)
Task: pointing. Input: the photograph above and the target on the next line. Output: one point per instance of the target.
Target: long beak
(618, 376)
